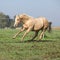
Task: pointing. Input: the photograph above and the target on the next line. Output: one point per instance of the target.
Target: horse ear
(19, 16)
(15, 16)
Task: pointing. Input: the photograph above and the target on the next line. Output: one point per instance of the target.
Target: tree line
(6, 21)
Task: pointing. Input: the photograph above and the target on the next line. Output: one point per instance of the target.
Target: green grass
(12, 49)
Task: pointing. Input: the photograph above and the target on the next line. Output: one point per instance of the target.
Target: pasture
(13, 49)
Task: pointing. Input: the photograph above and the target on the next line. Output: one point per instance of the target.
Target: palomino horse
(31, 24)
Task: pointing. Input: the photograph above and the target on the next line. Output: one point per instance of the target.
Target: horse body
(36, 23)
(31, 23)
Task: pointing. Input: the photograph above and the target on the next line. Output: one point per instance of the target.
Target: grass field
(12, 49)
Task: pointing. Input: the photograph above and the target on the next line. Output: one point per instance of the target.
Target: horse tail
(49, 27)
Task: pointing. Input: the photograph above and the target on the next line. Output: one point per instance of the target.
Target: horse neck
(24, 21)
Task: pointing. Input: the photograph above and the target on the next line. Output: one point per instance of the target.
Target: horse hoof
(13, 37)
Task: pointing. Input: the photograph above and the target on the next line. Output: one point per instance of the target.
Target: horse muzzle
(15, 25)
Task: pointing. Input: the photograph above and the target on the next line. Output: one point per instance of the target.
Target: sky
(36, 8)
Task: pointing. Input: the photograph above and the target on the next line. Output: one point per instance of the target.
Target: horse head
(21, 18)
(17, 21)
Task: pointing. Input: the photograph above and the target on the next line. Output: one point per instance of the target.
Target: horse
(31, 24)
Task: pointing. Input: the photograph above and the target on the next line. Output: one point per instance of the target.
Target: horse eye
(17, 19)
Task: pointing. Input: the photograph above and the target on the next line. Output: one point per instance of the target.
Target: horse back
(40, 23)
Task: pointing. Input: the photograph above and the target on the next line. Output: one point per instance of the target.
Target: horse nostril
(14, 25)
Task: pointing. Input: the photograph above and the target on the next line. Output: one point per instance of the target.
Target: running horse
(31, 24)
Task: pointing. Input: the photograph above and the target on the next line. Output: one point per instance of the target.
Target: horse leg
(42, 34)
(36, 33)
(22, 29)
(28, 30)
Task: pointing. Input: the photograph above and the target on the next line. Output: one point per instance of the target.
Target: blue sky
(47, 8)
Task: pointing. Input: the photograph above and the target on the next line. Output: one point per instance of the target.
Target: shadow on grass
(35, 41)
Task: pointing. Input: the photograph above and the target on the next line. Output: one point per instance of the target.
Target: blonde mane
(25, 16)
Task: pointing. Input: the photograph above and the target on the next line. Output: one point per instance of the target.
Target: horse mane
(25, 16)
